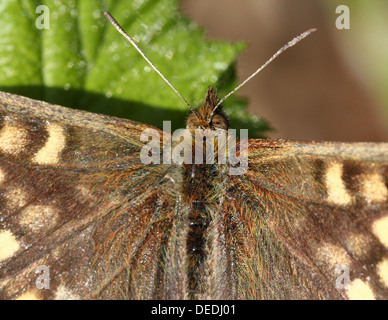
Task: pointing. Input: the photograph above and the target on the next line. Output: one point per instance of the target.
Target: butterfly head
(206, 117)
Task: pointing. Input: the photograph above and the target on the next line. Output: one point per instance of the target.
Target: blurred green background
(331, 86)
(80, 60)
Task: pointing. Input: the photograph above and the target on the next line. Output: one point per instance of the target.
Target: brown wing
(306, 221)
(76, 199)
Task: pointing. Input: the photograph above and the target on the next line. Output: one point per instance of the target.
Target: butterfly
(82, 217)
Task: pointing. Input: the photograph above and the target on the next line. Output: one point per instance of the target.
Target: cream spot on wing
(13, 139)
(333, 255)
(16, 197)
(37, 218)
(8, 244)
(382, 271)
(373, 187)
(29, 295)
(358, 244)
(64, 293)
(360, 290)
(56, 141)
(2, 176)
(380, 229)
(336, 190)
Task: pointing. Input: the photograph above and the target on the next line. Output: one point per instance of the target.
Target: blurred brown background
(317, 90)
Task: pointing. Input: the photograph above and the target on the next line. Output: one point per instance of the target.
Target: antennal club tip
(107, 15)
(284, 48)
(132, 42)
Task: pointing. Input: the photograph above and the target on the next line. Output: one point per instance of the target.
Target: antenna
(119, 29)
(282, 49)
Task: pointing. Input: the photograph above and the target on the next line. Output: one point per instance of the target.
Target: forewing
(308, 221)
(81, 215)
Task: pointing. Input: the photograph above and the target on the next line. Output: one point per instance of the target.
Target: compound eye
(220, 122)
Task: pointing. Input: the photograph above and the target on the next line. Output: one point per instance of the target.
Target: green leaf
(82, 61)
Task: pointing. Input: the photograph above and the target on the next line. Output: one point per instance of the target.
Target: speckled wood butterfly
(83, 218)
